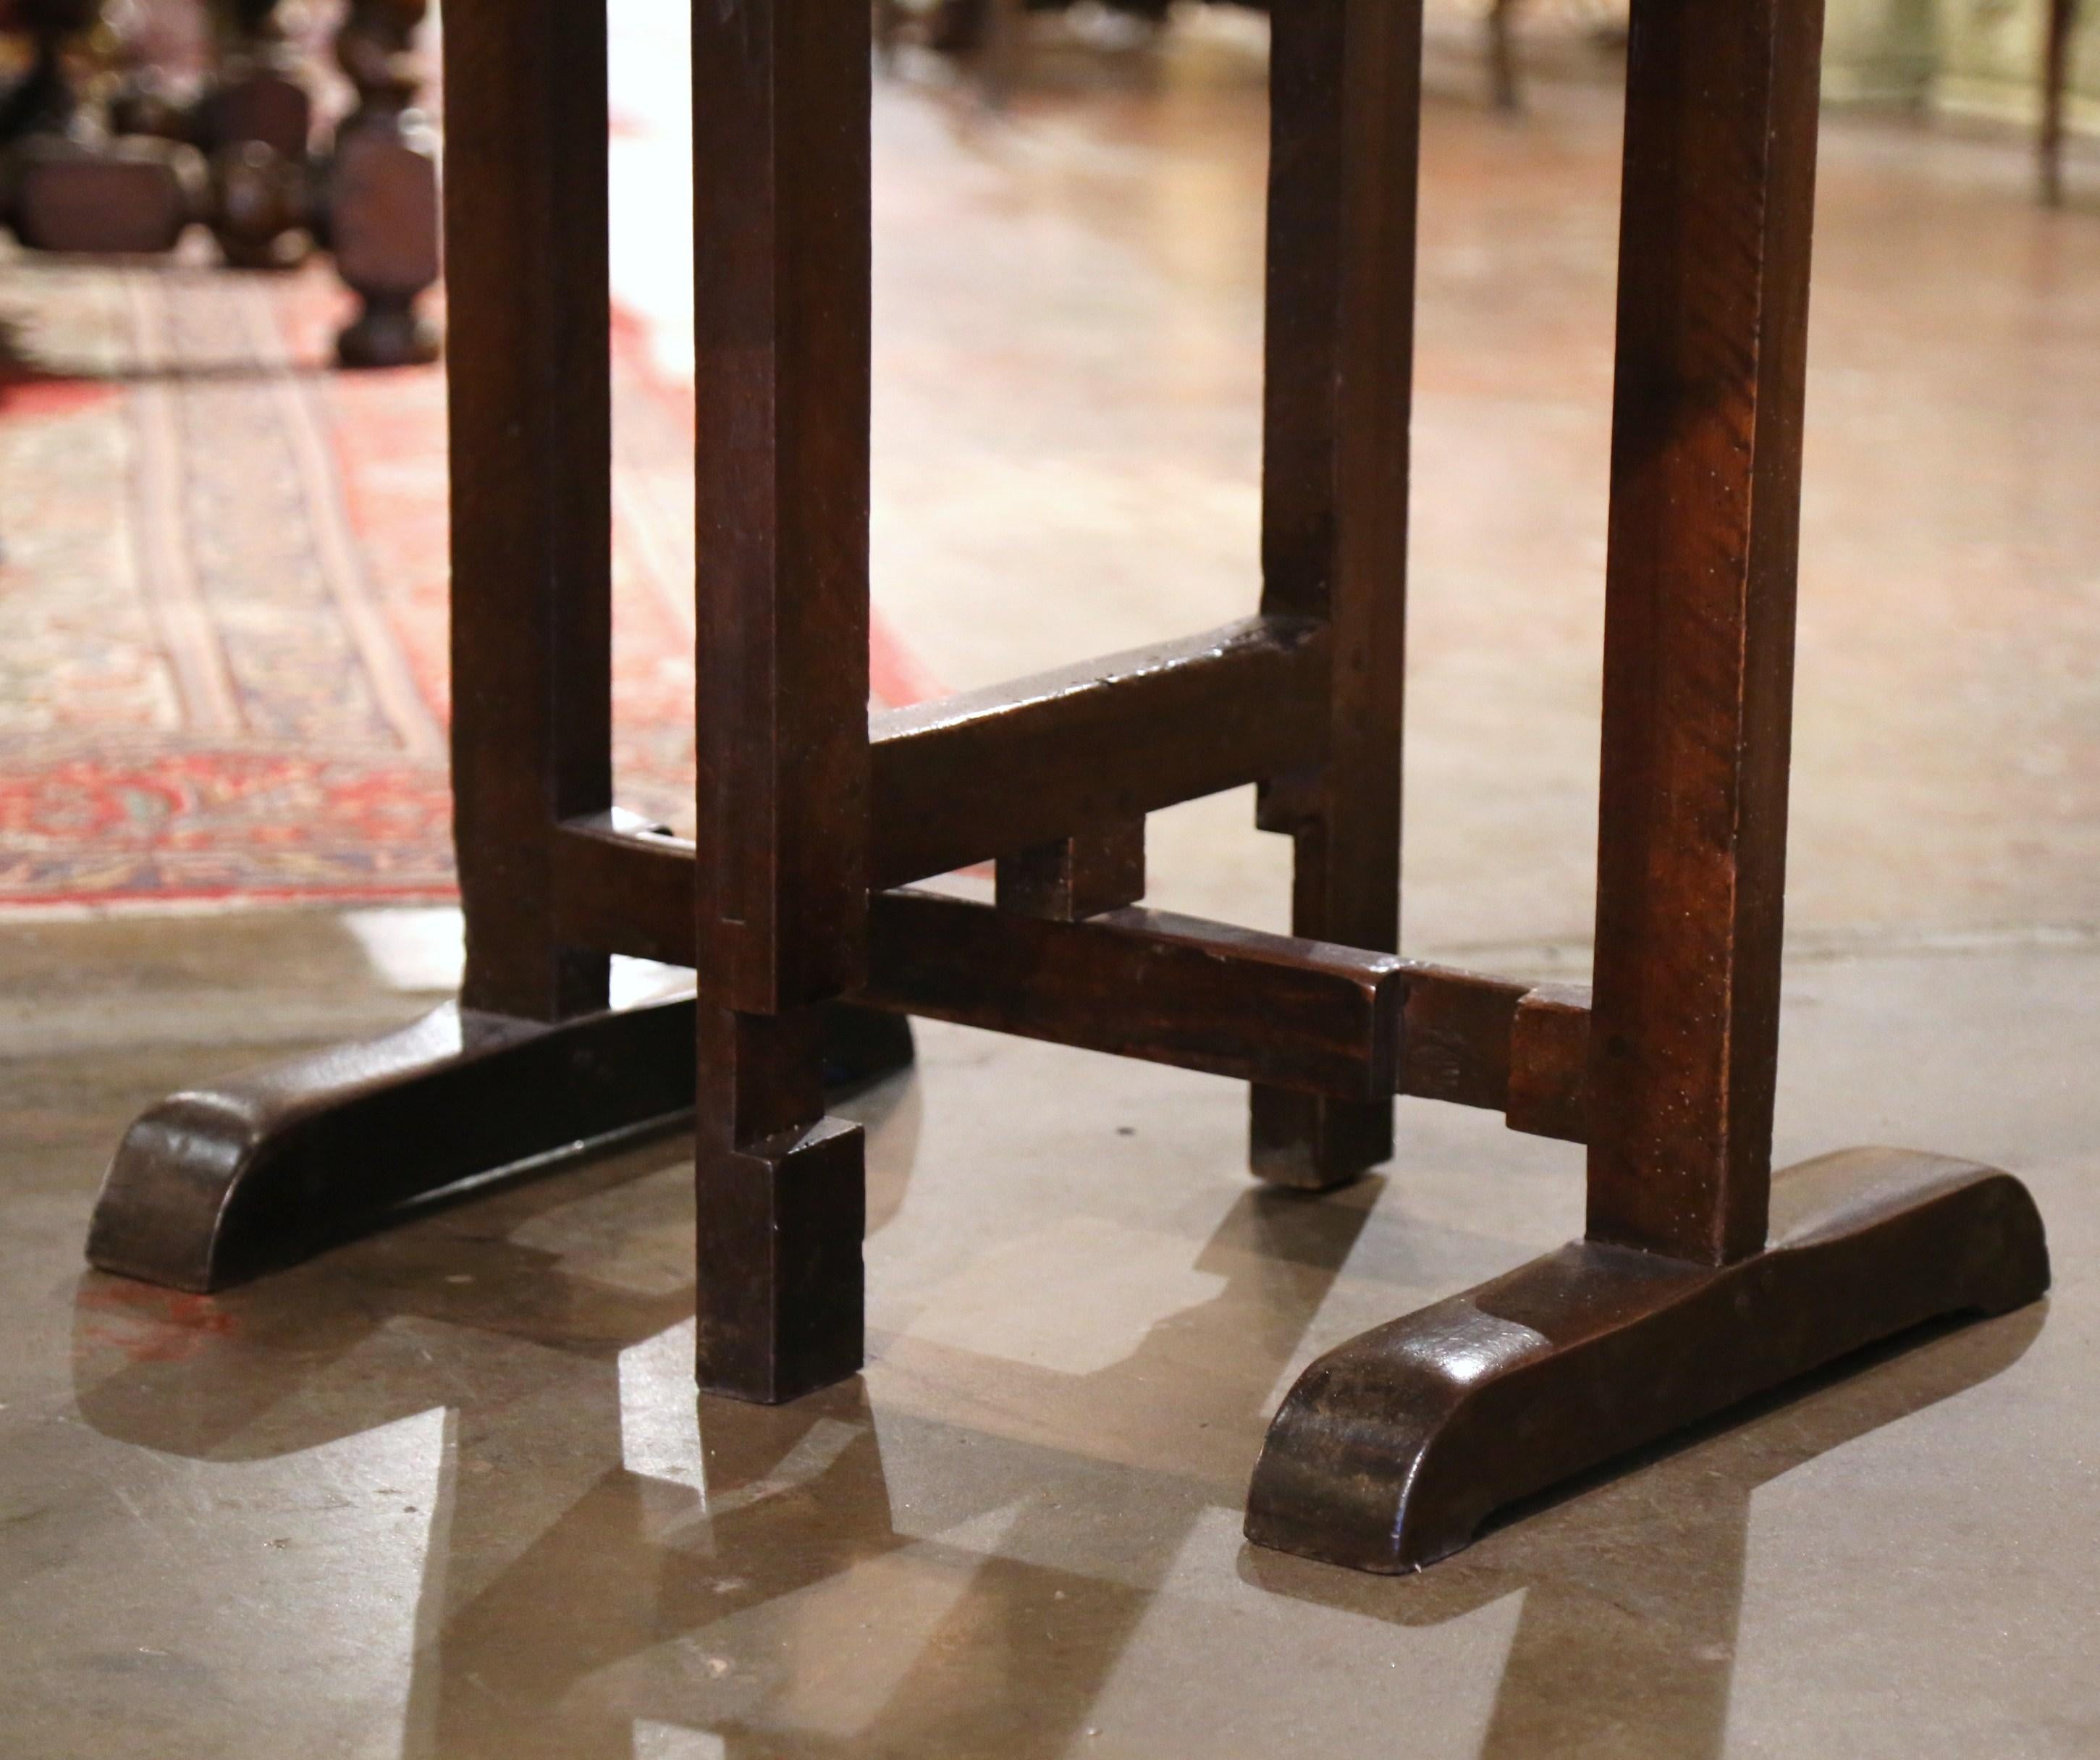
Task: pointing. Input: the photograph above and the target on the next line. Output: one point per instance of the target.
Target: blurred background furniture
(987, 33)
(1501, 53)
(103, 152)
(2055, 76)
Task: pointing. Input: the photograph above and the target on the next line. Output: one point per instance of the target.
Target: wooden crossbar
(989, 773)
(811, 815)
(1310, 1017)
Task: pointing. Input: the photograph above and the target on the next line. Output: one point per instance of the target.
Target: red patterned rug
(223, 597)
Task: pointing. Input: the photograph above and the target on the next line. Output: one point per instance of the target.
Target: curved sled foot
(1391, 1451)
(219, 1184)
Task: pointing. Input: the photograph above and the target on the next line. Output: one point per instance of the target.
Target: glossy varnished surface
(256, 1171)
(217, 1184)
(1113, 737)
(1338, 379)
(1390, 1453)
(440, 1496)
(436, 1463)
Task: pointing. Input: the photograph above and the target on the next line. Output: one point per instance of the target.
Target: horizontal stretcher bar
(987, 773)
(990, 773)
(1278, 1009)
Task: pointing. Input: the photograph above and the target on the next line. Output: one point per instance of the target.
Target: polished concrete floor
(446, 1493)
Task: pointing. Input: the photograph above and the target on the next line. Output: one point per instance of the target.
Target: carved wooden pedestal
(816, 821)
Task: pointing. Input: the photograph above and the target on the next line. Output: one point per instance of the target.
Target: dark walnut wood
(1712, 330)
(1100, 743)
(1345, 82)
(795, 905)
(1683, 1299)
(1076, 877)
(64, 184)
(219, 1184)
(1391, 1452)
(213, 1187)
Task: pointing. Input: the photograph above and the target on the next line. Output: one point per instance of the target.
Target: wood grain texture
(1717, 203)
(1148, 984)
(530, 445)
(1548, 1093)
(780, 167)
(1097, 870)
(1391, 1451)
(778, 894)
(1345, 99)
(992, 772)
(1099, 744)
(1309, 1017)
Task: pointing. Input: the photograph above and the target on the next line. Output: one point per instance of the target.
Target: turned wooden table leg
(1345, 81)
(253, 94)
(256, 121)
(43, 101)
(382, 189)
(781, 122)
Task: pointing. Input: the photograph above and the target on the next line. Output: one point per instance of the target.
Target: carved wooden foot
(216, 1185)
(1391, 1451)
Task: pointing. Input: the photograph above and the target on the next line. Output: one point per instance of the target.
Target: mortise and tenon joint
(1701, 1280)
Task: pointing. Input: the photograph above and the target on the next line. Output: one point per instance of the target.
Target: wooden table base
(1391, 1450)
(216, 1185)
(798, 894)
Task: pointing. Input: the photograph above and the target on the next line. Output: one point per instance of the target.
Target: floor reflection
(786, 1592)
(1633, 1576)
(568, 1600)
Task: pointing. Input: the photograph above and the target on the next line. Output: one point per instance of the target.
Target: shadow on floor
(1633, 1575)
(776, 1586)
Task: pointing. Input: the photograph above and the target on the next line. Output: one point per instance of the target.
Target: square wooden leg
(1345, 99)
(780, 1208)
(1698, 1284)
(780, 1223)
